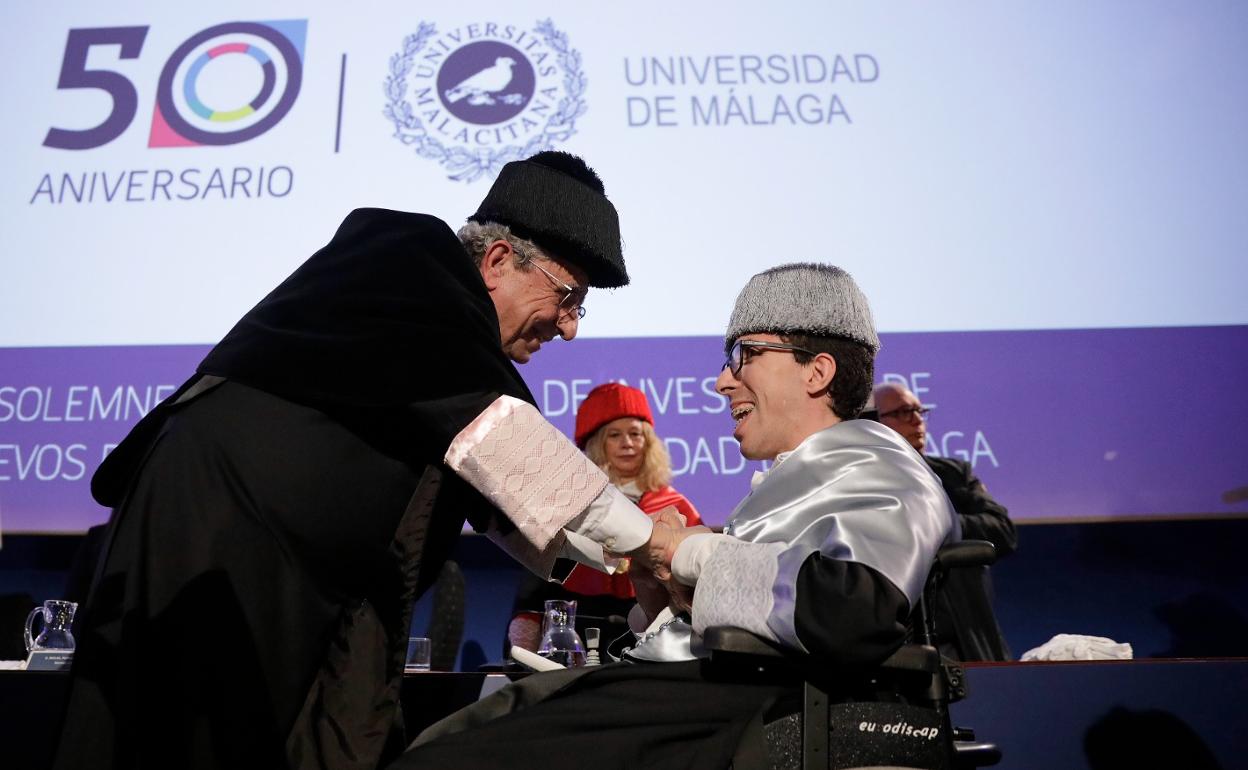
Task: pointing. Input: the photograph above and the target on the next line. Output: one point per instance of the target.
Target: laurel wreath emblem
(466, 165)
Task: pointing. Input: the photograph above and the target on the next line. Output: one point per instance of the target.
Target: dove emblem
(480, 87)
(486, 82)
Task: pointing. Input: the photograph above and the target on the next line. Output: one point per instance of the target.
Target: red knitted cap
(606, 403)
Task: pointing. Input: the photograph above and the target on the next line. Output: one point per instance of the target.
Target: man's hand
(656, 556)
(670, 516)
(654, 584)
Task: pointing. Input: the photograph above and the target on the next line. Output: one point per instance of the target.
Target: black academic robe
(965, 623)
(275, 518)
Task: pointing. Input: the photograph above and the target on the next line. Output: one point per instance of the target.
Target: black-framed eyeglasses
(737, 356)
(573, 296)
(907, 412)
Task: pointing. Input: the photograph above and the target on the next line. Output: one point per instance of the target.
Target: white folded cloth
(533, 661)
(1079, 647)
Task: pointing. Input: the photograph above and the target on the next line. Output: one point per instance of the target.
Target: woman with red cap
(615, 429)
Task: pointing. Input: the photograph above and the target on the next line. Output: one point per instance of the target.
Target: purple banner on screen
(1067, 424)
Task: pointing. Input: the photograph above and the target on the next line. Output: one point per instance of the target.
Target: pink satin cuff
(529, 471)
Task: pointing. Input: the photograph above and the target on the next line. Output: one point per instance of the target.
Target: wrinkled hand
(670, 516)
(655, 556)
(656, 588)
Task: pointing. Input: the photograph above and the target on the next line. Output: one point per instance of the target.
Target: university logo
(224, 85)
(261, 69)
(480, 95)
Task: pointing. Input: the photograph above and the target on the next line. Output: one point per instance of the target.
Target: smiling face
(624, 442)
(528, 301)
(775, 401)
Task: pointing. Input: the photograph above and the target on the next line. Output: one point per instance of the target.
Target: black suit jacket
(965, 622)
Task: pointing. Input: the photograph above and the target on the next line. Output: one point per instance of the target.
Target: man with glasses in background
(276, 517)
(965, 622)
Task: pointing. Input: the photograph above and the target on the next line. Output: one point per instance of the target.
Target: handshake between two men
(656, 584)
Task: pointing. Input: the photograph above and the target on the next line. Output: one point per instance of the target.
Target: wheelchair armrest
(914, 657)
(737, 641)
(967, 553)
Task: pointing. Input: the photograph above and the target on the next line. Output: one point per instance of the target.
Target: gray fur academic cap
(803, 298)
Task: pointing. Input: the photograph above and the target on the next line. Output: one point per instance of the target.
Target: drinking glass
(417, 659)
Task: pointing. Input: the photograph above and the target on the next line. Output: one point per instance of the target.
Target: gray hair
(477, 237)
(889, 387)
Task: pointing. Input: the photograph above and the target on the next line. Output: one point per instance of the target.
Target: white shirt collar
(759, 476)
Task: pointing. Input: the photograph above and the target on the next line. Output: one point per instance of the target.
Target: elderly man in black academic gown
(276, 517)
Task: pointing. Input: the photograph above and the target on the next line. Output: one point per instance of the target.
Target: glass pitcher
(57, 617)
(559, 640)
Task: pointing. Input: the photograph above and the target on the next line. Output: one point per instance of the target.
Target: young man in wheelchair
(828, 554)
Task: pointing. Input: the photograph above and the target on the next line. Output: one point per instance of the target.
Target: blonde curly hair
(656, 464)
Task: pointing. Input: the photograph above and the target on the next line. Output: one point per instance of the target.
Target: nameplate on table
(49, 660)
